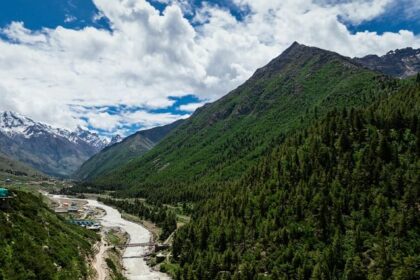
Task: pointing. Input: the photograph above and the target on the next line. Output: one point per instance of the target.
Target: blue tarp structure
(83, 222)
(4, 192)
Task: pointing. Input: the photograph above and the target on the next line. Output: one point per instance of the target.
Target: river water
(136, 268)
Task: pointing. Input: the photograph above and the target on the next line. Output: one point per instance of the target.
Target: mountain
(116, 139)
(93, 139)
(122, 151)
(399, 63)
(53, 151)
(35, 243)
(307, 171)
(10, 168)
(338, 200)
(223, 139)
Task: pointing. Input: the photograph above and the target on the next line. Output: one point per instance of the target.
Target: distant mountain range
(399, 63)
(53, 151)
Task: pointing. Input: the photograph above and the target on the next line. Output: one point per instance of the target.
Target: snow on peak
(13, 124)
(89, 137)
(116, 139)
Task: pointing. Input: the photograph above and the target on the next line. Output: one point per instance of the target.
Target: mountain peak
(12, 122)
(399, 63)
(13, 116)
(116, 139)
(405, 51)
(296, 44)
(297, 56)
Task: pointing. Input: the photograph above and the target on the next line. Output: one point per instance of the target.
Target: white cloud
(17, 33)
(119, 122)
(150, 56)
(191, 107)
(70, 18)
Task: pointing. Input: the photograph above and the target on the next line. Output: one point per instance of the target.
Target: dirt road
(99, 261)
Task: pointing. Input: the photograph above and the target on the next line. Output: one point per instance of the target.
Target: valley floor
(133, 261)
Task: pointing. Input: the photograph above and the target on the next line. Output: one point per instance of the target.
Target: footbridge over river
(150, 245)
(153, 248)
(147, 244)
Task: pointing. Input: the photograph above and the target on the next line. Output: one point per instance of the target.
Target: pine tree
(385, 151)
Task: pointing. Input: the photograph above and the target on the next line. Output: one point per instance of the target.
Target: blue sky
(37, 14)
(130, 127)
(393, 20)
(117, 67)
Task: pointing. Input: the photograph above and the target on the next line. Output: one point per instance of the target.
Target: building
(87, 224)
(95, 227)
(61, 210)
(73, 209)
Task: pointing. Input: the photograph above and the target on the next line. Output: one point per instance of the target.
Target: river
(136, 268)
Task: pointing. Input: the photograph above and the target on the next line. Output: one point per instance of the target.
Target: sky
(118, 66)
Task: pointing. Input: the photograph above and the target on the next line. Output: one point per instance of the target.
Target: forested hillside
(338, 200)
(121, 153)
(37, 244)
(223, 139)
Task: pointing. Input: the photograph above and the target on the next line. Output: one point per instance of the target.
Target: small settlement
(77, 213)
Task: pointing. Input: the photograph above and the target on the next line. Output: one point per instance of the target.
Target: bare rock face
(399, 63)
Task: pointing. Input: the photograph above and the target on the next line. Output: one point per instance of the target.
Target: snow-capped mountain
(13, 124)
(54, 151)
(90, 137)
(116, 139)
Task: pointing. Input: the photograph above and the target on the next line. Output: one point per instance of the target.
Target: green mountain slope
(339, 200)
(121, 153)
(10, 168)
(223, 139)
(37, 244)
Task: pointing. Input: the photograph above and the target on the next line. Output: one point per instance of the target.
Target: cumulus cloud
(149, 56)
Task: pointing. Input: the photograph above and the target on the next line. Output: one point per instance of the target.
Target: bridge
(155, 247)
(138, 257)
(146, 244)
